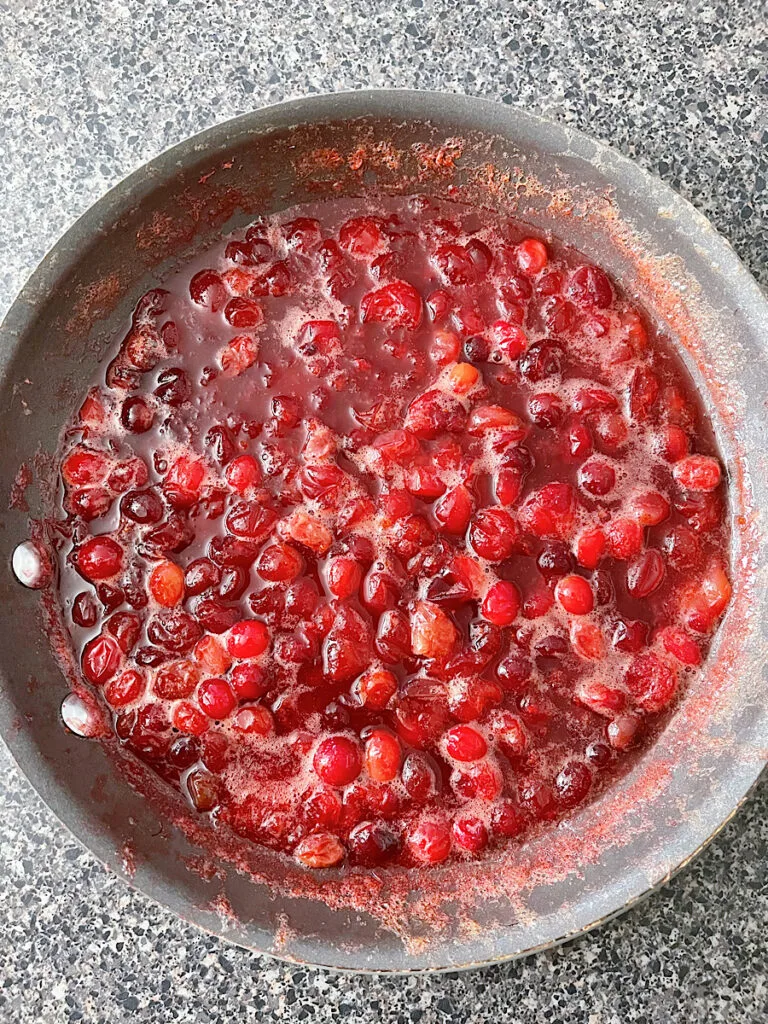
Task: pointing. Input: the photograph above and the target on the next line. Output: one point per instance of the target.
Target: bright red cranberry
(383, 755)
(531, 256)
(574, 595)
(464, 743)
(99, 558)
(216, 698)
(247, 639)
(338, 761)
(501, 604)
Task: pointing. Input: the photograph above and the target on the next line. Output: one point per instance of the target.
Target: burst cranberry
(651, 682)
(590, 288)
(550, 512)
(203, 789)
(183, 481)
(645, 574)
(101, 659)
(393, 639)
(434, 413)
(173, 387)
(242, 473)
(372, 844)
(428, 841)
(142, 507)
(124, 689)
(697, 473)
(397, 304)
(494, 534)
(200, 575)
(99, 558)
(624, 538)
(703, 603)
(189, 719)
(433, 635)
(453, 511)
(320, 850)
(207, 289)
(376, 688)
(597, 477)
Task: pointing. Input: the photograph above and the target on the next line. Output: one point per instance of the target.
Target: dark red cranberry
(220, 444)
(476, 350)
(598, 754)
(173, 386)
(230, 551)
(84, 611)
(372, 844)
(151, 657)
(125, 627)
(200, 575)
(215, 616)
(573, 783)
(183, 752)
(555, 560)
(170, 537)
(630, 636)
(142, 507)
(175, 631)
(543, 359)
(234, 582)
(136, 415)
(514, 672)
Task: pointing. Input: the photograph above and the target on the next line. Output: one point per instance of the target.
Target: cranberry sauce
(390, 532)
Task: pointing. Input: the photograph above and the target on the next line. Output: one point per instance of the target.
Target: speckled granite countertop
(91, 90)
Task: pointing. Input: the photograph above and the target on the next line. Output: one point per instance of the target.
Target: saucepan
(685, 787)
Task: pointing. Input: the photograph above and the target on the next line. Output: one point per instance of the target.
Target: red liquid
(467, 563)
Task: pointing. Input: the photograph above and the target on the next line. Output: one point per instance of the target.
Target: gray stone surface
(91, 90)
